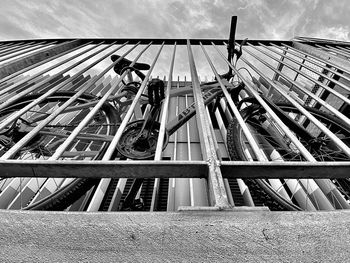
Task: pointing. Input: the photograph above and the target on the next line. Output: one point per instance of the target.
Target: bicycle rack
(195, 164)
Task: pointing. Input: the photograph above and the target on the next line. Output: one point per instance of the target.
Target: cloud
(169, 19)
(257, 19)
(339, 33)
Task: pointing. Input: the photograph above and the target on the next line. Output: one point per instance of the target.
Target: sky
(257, 19)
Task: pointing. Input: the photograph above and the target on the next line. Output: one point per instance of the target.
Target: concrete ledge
(225, 209)
(198, 236)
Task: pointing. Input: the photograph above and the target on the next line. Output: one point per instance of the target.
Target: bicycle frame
(212, 91)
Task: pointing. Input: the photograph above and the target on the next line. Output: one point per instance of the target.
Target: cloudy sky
(259, 19)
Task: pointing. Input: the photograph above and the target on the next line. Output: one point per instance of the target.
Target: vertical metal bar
(164, 114)
(217, 193)
(163, 120)
(171, 202)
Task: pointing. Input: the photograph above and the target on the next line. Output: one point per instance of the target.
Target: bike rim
(307, 194)
(27, 192)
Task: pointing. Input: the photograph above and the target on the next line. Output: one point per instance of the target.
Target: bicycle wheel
(53, 193)
(292, 194)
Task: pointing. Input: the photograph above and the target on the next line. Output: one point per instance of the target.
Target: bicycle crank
(133, 146)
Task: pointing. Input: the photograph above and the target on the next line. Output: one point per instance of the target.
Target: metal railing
(303, 72)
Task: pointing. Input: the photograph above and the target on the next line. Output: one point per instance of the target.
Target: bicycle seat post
(129, 75)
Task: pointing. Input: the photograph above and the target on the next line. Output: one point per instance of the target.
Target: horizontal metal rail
(172, 169)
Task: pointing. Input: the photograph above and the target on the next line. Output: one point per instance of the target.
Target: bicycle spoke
(272, 141)
(89, 144)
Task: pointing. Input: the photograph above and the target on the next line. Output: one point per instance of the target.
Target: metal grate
(194, 168)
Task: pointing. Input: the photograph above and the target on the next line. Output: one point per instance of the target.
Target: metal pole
(217, 191)
(164, 118)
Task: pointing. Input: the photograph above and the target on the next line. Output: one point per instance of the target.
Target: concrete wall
(188, 236)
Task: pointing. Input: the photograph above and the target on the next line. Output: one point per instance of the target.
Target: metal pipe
(217, 191)
(164, 118)
(164, 113)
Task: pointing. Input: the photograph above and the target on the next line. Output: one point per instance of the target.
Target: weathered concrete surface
(200, 236)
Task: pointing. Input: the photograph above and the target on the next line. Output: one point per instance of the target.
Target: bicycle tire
(236, 151)
(67, 195)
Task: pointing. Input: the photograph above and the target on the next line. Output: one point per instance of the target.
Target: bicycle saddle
(125, 63)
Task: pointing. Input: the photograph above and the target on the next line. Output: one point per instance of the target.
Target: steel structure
(194, 170)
